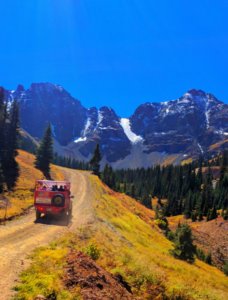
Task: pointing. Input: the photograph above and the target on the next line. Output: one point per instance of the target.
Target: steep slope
(210, 236)
(131, 246)
(172, 131)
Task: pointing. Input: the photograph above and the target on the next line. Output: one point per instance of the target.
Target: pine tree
(113, 180)
(187, 211)
(132, 191)
(157, 213)
(95, 160)
(11, 144)
(200, 254)
(213, 213)
(183, 244)
(223, 165)
(45, 154)
(225, 268)
(208, 259)
(80, 166)
(200, 216)
(125, 187)
(193, 216)
(146, 200)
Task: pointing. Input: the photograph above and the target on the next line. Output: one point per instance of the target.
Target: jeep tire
(38, 214)
(58, 200)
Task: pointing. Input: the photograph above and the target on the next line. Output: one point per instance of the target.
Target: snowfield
(125, 123)
(80, 140)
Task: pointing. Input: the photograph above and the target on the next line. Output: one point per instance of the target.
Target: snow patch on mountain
(200, 148)
(125, 123)
(87, 124)
(80, 140)
(100, 117)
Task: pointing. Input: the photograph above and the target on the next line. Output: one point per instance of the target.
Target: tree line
(187, 191)
(71, 163)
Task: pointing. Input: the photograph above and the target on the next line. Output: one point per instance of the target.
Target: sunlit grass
(131, 245)
(21, 197)
(140, 243)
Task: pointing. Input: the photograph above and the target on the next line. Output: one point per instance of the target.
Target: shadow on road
(54, 220)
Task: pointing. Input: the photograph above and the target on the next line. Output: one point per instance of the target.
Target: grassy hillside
(209, 236)
(131, 245)
(22, 195)
(148, 251)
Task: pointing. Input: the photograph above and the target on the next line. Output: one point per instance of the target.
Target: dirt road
(18, 238)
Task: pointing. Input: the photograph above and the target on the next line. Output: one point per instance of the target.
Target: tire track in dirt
(19, 237)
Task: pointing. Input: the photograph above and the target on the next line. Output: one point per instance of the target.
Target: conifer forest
(186, 189)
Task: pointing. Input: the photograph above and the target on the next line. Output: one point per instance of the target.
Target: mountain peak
(20, 88)
(195, 92)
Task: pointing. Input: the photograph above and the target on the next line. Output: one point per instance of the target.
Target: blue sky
(116, 53)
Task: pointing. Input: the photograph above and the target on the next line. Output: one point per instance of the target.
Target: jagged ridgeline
(168, 132)
(197, 189)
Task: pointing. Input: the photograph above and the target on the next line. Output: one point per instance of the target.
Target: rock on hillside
(95, 281)
(162, 132)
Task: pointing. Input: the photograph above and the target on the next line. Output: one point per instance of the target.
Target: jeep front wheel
(38, 214)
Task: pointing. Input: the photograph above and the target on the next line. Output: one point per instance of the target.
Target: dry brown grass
(22, 195)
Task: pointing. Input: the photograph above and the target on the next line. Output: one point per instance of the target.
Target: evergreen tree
(146, 201)
(80, 166)
(157, 213)
(223, 165)
(112, 180)
(183, 244)
(208, 259)
(132, 191)
(187, 210)
(213, 213)
(105, 174)
(225, 268)
(45, 154)
(200, 254)
(200, 216)
(125, 187)
(193, 216)
(95, 160)
(11, 144)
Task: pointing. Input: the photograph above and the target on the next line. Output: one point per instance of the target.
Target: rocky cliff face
(157, 132)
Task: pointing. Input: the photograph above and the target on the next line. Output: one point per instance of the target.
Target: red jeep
(53, 197)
